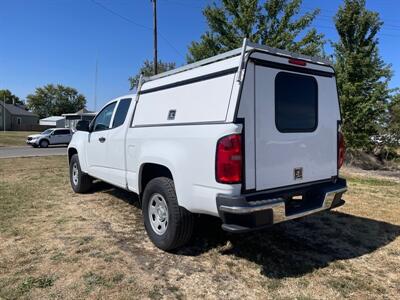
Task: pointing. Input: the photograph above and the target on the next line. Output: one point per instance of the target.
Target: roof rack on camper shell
(247, 47)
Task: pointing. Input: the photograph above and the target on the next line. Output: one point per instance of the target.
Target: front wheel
(168, 225)
(80, 182)
(44, 143)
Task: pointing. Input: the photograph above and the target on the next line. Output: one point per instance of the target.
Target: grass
(41, 282)
(57, 244)
(14, 138)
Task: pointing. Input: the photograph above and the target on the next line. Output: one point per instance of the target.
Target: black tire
(44, 143)
(34, 145)
(180, 221)
(82, 182)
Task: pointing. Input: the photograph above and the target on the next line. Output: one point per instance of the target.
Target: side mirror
(82, 125)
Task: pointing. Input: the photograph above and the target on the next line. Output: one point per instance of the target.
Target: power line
(137, 24)
(378, 34)
(183, 4)
(388, 26)
(119, 15)
(330, 17)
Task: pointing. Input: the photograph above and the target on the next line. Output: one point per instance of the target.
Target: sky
(59, 41)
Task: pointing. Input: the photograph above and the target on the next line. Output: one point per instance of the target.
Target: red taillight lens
(341, 150)
(228, 163)
(297, 62)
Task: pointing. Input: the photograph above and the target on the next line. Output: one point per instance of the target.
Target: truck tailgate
(295, 127)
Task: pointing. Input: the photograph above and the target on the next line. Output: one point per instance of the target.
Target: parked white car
(53, 136)
(251, 136)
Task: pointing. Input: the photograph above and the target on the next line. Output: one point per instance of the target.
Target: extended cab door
(116, 173)
(96, 148)
(296, 119)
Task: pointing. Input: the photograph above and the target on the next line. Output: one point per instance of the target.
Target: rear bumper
(251, 212)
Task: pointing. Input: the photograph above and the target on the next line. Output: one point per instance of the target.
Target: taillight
(228, 164)
(297, 62)
(341, 150)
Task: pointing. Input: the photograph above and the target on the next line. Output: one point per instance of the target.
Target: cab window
(103, 119)
(121, 112)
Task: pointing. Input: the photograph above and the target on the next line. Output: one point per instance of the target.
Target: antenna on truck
(239, 77)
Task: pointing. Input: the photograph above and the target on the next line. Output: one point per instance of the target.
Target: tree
(394, 120)
(362, 75)
(9, 97)
(275, 23)
(147, 69)
(55, 100)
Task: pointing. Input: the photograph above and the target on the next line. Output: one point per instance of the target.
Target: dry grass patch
(14, 138)
(56, 244)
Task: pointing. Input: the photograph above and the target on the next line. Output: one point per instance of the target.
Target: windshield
(47, 131)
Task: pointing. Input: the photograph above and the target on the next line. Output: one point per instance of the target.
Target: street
(28, 151)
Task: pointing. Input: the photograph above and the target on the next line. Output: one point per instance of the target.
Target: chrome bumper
(279, 208)
(274, 210)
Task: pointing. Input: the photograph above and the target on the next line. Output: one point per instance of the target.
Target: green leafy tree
(276, 23)
(147, 69)
(10, 98)
(394, 120)
(55, 100)
(362, 75)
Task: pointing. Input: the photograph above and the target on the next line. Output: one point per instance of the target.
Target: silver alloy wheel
(75, 174)
(158, 214)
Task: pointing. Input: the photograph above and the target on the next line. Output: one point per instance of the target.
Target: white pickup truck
(251, 136)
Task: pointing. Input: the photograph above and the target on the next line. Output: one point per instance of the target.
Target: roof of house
(53, 118)
(81, 112)
(17, 111)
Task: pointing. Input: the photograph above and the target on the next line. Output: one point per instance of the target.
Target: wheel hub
(75, 173)
(158, 214)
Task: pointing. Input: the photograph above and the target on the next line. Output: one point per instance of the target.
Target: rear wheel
(44, 143)
(80, 182)
(168, 225)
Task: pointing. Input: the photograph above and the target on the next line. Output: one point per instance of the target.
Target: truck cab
(251, 136)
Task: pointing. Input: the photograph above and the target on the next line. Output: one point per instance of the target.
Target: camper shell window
(296, 102)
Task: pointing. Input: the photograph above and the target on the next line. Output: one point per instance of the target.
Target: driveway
(9, 152)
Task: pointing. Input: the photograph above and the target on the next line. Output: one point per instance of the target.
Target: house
(17, 117)
(72, 119)
(53, 121)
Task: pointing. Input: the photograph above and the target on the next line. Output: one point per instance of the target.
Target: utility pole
(4, 112)
(155, 35)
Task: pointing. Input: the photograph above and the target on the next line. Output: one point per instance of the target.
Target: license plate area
(299, 203)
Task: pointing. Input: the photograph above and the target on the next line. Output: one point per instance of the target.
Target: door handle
(102, 139)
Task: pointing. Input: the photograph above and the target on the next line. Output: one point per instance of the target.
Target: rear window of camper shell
(296, 102)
